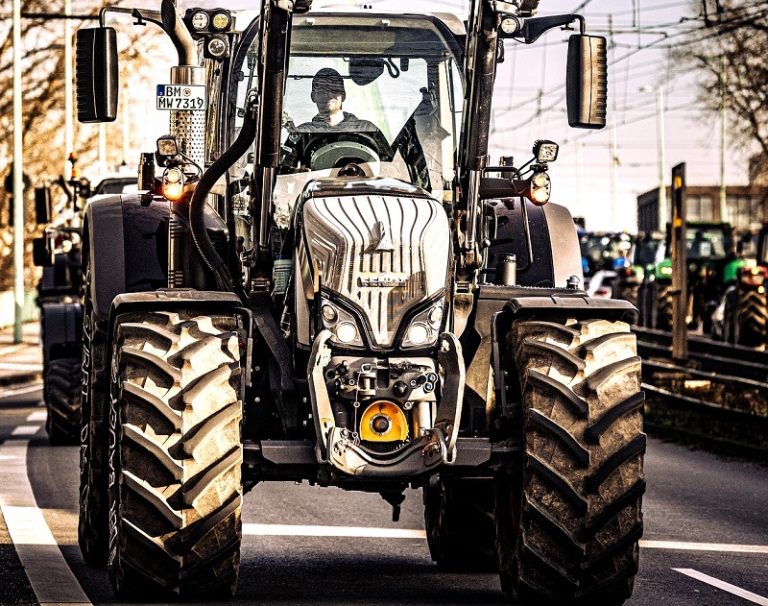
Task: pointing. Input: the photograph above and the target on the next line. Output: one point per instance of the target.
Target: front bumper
(337, 446)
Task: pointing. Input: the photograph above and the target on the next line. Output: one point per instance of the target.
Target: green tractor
(711, 257)
(745, 305)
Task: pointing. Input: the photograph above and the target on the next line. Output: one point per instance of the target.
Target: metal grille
(386, 254)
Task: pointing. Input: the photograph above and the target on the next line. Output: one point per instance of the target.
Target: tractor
(710, 252)
(630, 270)
(745, 304)
(59, 292)
(357, 300)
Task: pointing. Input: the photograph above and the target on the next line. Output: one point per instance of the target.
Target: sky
(587, 177)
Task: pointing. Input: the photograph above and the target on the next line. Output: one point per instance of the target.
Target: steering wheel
(344, 155)
(324, 151)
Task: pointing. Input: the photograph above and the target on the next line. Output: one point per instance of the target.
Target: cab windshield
(367, 96)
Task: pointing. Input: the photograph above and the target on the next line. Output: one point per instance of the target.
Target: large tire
(752, 318)
(62, 399)
(93, 527)
(664, 307)
(628, 292)
(175, 456)
(568, 517)
(459, 520)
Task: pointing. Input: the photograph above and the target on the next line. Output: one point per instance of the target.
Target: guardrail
(719, 396)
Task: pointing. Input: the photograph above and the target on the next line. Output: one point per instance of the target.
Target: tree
(729, 54)
(43, 101)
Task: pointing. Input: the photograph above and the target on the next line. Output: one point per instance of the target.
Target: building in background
(746, 206)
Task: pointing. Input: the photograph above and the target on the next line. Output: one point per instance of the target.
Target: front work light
(545, 151)
(173, 184)
(541, 188)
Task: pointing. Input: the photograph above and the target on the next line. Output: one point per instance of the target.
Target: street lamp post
(18, 180)
(661, 213)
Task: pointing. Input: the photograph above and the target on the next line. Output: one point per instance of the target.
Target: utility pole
(18, 179)
(614, 174)
(69, 137)
(661, 136)
(723, 134)
(679, 265)
(580, 174)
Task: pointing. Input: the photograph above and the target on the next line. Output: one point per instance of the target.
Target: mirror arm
(536, 27)
(141, 15)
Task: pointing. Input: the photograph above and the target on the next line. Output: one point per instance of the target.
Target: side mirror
(41, 253)
(146, 179)
(43, 205)
(587, 81)
(97, 74)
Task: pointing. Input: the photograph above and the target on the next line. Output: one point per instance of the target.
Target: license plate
(188, 97)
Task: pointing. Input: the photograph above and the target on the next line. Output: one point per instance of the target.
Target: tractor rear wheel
(62, 399)
(175, 457)
(569, 518)
(458, 517)
(753, 318)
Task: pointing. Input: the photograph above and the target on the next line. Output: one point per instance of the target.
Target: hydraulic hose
(197, 204)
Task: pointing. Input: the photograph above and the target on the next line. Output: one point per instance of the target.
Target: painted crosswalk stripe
(722, 585)
(51, 578)
(37, 416)
(25, 430)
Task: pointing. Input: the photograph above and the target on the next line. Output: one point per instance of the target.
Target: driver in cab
(330, 124)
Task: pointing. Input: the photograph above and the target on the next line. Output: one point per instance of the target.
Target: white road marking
(719, 547)
(4, 351)
(10, 393)
(296, 530)
(25, 430)
(20, 366)
(722, 585)
(37, 416)
(51, 578)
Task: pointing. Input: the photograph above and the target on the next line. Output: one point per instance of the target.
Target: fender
(497, 306)
(127, 244)
(554, 243)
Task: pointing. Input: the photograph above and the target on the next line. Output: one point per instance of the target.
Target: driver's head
(328, 90)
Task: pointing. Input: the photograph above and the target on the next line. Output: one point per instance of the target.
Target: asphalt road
(290, 555)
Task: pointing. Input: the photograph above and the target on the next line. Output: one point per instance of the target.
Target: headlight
(424, 329)
(221, 21)
(217, 46)
(200, 21)
(173, 184)
(341, 323)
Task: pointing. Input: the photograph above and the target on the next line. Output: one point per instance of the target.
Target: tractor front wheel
(568, 517)
(175, 456)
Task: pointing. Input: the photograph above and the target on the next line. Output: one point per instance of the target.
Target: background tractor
(745, 304)
(630, 270)
(364, 307)
(710, 251)
(59, 292)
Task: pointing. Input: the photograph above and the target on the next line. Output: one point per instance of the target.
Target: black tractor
(59, 293)
(336, 287)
